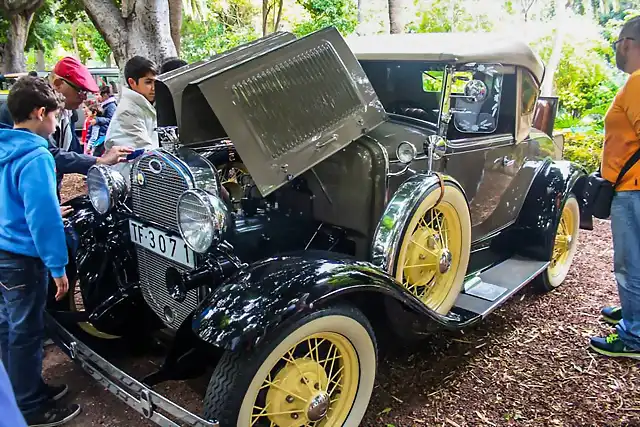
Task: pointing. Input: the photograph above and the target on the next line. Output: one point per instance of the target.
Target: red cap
(71, 69)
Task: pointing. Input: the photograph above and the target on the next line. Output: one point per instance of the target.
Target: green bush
(584, 148)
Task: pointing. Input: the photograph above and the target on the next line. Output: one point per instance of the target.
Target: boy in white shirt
(135, 118)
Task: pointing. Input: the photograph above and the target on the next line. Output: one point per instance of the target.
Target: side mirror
(545, 114)
(475, 90)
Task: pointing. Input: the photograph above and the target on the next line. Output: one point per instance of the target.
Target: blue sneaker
(612, 315)
(613, 346)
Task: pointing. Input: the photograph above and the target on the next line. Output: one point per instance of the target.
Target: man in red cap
(74, 81)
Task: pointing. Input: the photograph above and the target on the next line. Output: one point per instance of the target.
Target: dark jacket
(108, 110)
(5, 115)
(66, 161)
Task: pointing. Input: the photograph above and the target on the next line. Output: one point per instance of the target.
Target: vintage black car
(309, 195)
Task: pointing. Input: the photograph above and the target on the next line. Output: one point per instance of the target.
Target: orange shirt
(622, 135)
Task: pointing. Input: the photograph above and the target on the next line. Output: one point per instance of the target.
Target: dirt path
(526, 365)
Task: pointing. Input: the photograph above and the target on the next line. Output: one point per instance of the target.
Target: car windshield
(408, 88)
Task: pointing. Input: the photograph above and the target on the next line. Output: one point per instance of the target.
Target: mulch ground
(527, 364)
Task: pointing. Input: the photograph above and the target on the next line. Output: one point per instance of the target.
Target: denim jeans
(23, 296)
(625, 227)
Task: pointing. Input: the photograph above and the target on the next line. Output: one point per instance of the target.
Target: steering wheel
(411, 109)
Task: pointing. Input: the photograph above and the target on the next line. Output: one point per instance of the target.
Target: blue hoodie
(30, 220)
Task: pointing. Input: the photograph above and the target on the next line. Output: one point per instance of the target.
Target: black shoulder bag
(598, 192)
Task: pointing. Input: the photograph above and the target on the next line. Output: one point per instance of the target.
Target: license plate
(167, 245)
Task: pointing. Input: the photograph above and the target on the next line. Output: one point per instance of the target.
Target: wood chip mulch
(527, 364)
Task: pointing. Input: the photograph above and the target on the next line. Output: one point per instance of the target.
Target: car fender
(543, 205)
(398, 214)
(105, 263)
(258, 300)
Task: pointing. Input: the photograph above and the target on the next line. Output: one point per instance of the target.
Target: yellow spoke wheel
(434, 251)
(564, 246)
(320, 373)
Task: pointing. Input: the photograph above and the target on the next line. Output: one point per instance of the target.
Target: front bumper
(132, 392)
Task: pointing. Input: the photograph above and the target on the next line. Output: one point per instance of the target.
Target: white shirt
(132, 126)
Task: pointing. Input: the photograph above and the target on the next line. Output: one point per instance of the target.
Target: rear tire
(281, 377)
(564, 249)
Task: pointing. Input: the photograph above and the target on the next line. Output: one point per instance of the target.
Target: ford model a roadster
(308, 193)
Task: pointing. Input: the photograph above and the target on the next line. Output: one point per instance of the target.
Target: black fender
(104, 262)
(261, 299)
(542, 208)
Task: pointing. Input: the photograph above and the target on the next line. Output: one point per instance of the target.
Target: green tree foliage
(446, 16)
(43, 32)
(341, 14)
(585, 82)
(584, 148)
(226, 26)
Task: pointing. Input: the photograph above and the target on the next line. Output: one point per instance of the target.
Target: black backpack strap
(628, 165)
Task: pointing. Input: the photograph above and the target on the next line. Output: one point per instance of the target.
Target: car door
(482, 150)
(486, 168)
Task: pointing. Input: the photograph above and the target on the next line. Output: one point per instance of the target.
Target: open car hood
(286, 103)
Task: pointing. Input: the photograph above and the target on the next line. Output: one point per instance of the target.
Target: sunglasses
(614, 45)
(81, 92)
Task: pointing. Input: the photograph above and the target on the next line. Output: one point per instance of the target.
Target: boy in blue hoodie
(32, 244)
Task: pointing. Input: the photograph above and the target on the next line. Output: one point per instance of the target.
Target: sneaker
(612, 315)
(56, 392)
(613, 346)
(52, 417)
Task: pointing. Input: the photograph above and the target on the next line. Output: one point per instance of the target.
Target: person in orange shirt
(621, 141)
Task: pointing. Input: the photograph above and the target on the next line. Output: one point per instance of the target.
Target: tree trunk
(15, 58)
(396, 25)
(141, 28)
(276, 25)
(266, 7)
(547, 88)
(175, 21)
(19, 13)
(40, 62)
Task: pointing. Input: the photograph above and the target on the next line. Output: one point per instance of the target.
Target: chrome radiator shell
(158, 178)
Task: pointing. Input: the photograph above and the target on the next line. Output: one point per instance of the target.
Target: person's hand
(66, 211)
(62, 284)
(116, 154)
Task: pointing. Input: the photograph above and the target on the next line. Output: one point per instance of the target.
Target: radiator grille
(152, 270)
(156, 199)
(274, 100)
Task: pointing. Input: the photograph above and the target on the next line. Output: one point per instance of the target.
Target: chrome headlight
(406, 152)
(202, 219)
(106, 188)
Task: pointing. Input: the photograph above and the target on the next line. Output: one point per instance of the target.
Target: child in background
(84, 138)
(96, 132)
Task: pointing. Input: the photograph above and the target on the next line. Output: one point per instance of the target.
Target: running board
(490, 289)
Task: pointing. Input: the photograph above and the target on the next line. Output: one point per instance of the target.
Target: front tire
(564, 247)
(318, 371)
(434, 251)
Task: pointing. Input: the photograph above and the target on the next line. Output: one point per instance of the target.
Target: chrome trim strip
(480, 141)
(126, 388)
(397, 214)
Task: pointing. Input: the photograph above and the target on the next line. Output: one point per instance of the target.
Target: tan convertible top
(448, 47)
